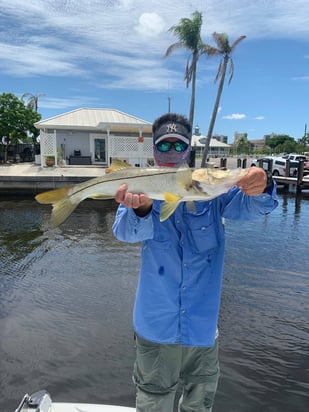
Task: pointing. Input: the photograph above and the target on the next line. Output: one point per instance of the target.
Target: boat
(41, 401)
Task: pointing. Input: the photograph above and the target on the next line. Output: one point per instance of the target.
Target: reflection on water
(67, 295)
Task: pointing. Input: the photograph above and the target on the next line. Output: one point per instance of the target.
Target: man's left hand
(254, 182)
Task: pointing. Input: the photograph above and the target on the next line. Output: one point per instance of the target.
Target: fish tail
(63, 204)
(61, 211)
(52, 196)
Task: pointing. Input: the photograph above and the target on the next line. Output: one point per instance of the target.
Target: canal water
(66, 300)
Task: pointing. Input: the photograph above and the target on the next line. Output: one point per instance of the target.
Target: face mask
(171, 158)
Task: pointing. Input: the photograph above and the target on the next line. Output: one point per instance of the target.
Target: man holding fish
(178, 295)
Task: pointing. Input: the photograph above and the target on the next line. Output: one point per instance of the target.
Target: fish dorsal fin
(184, 177)
(117, 164)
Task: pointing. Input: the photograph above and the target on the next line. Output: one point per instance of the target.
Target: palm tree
(225, 50)
(33, 100)
(188, 33)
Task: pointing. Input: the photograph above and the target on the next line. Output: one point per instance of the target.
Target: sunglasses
(166, 146)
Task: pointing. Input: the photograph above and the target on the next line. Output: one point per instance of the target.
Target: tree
(188, 33)
(16, 121)
(243, 146)
(281, 143)
(303, 142)
(33, 100)
(225, 50)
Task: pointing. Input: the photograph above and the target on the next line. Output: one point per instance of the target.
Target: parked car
(278, 165)
(297, 157)
(257, 162)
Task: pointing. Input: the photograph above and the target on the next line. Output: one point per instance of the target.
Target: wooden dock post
(300, 175)
(223, 163)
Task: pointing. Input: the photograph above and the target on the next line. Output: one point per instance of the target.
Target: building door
(99, 149)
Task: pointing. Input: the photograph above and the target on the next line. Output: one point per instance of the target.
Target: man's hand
(137, 201)
(254, 182)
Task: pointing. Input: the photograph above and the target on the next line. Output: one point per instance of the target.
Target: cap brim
(174, 135)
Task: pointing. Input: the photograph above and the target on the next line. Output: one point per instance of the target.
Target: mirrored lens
(166, 146)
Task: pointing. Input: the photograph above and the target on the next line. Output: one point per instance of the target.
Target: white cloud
(35, 61)
(234, 116)
(127, 38)
(150, 24)
(60, 103)
(305, 78)
(259, 118)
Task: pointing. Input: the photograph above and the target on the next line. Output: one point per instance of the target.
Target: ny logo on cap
(171, 128)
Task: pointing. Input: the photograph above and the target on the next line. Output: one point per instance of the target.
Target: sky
(109, 54)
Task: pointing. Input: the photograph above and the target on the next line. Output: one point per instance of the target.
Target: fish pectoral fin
(168, 208)
(117, 164)
(171, 197)
(184, 178)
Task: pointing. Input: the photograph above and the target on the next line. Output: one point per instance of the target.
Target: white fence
(137, 151)
(48, 146)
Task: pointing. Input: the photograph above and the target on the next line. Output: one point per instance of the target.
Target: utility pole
(169, 98)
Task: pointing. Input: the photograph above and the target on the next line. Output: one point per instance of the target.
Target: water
(66, 300)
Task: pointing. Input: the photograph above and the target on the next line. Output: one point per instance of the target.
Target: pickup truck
(296, 158)
(278, 165)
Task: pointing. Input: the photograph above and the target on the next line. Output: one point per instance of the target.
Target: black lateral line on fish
(125, 178)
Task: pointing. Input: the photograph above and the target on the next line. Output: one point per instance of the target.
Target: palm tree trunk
(6, 154)
(192, 103)
(214, 112)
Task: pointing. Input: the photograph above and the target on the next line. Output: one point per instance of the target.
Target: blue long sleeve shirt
(178, 293)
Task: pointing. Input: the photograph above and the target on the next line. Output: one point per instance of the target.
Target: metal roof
(198, 140)
(95, 119)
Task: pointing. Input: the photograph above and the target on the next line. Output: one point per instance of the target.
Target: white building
(95, 136)
(216, 148)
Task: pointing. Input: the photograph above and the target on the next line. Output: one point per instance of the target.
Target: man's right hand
(137, 201)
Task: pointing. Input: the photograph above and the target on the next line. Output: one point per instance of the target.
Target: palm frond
(219, 72)
(231, 70)
(26, 95)
(222, 42)
(189, 72)
(237, 41)
(173, 47)
(210, 51)
(188, 31)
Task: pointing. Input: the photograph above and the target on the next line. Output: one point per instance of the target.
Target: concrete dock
(28, 178)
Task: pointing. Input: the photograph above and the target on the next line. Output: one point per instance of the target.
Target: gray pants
(159, 369)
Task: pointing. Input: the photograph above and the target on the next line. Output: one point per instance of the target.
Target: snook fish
(168, 184)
